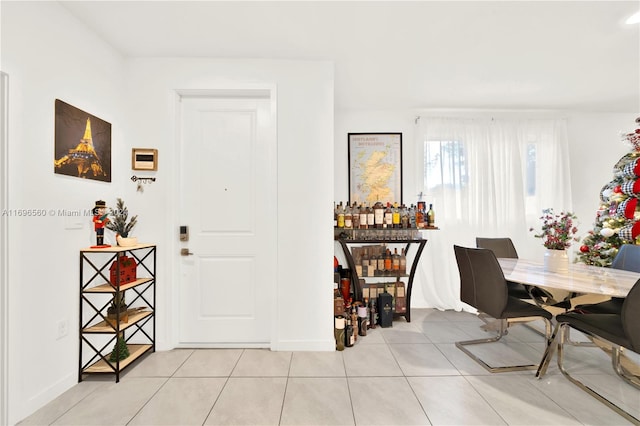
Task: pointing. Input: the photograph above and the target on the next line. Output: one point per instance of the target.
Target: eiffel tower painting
(82, 144)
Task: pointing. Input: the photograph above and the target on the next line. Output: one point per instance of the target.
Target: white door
(227, 191)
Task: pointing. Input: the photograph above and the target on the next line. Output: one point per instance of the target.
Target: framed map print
(375, 168)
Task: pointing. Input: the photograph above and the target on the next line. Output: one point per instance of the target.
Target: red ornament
(617, 189)
(584, 249)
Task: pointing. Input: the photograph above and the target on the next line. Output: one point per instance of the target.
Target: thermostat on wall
(144, 159)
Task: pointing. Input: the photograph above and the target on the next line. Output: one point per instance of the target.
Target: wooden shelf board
(102, 366)
(108, 288)
(104, 327)
(116, 249)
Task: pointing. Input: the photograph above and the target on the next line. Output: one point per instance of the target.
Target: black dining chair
(483, 286)
(621, 331)
(503, 247)
(627, 259)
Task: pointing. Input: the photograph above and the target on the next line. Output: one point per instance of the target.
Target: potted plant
(558, 232)
(120, 225)
(117, 309)
(120, 350)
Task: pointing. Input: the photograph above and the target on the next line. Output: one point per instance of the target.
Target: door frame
(242, 91)
(4, 249)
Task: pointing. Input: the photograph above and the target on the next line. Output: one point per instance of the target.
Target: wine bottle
(339, 324)
(348, 333)
(431, 217)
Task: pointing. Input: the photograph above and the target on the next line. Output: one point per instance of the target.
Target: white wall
(48, 55)
(594, 144)
(305, 181)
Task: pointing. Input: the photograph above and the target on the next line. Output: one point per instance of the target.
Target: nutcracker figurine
(100, 219)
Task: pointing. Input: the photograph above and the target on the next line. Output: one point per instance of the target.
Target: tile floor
(411, 373)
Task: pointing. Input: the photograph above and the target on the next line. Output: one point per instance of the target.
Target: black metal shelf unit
(98, 287)
(355, 279)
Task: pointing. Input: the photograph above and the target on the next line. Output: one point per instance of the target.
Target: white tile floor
(411, 373)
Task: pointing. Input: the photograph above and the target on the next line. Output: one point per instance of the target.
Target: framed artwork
(375, 168)
(82, 144)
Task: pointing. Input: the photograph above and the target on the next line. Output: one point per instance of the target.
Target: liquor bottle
(348, 333)
(412, 217)
(419, 217)
(340, 215)
(404, 217)
(373, 315)
(403, 262)
(363, 318)
(354, 322)
(395, 261)
(385, 308)
(388, 216)
(388, 264)
(371, 221)
(380, 263)
(348, 217)
(431, 217)
(365, 263)
(373, 265)
(395, 212)
(339, 333)
(335, 215)
(363, 216)
(378, 214)
(355, 216)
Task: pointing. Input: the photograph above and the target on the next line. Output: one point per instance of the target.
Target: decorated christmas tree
(618, 217)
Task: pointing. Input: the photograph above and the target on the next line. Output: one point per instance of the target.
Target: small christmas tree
(120, 350)
(618, 217)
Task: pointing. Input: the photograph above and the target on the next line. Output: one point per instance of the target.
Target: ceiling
(574, 55)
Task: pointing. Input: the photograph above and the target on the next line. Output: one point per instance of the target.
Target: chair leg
(587, 389)
(625, 374)
(501, 333)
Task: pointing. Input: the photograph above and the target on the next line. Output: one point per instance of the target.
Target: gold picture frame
(144, 159)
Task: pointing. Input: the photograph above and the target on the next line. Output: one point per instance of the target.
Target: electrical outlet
(63, 328)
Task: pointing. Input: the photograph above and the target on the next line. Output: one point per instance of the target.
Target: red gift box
(127, 271)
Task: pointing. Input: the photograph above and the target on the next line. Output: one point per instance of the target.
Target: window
(444, 165)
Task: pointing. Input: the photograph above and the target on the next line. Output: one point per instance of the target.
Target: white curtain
(506, 173)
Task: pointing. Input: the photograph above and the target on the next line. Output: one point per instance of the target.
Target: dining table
(579, 278)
